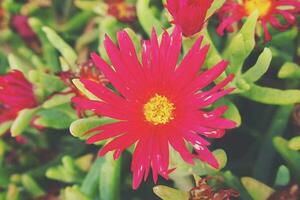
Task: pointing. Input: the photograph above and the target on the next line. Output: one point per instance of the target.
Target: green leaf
(73, 193)
(22, 121)
(91, 180)
(272, 96)
(256, 189)
(68, 172)
(78, 21)
(241, 45)
(13, 192)
(289, 70)
(216, 5)
(49, 52)
(84, 162)
(291, 157)
(167, 193)
(4, 126)
(147, 18)
(18, 64)
(283, 176)
(294, 143)
(55, 118)
(57, 99)
(79, 127)
(260, 68)
(109, 185)
(67, 52)
(31, 186)
(200, 168)
(47, 82)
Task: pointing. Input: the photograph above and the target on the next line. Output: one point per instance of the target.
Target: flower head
(158, 103)
(16, 94)
(123, 11)
(20, 24)
(189, 14)
(269, 11)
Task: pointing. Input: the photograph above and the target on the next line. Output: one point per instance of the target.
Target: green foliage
(109, 182)
(22, 121)
(167, 193)
(256, 189)
(291, 157)
(67, 52)
(147, 18)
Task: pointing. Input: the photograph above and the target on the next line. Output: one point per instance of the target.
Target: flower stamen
(159, 110)
(263, 6)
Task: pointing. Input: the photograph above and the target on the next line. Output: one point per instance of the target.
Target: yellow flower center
(263, 6)
(159, 110)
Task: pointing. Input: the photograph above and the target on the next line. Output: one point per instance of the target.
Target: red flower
(189, 14)
(159, 103)
(124, 12)
(21, 25)
(16, 94)
(269, 11)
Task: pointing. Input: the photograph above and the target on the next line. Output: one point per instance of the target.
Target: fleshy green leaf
(31, 186)
(4, 126)
(55, 118)
(90, 182)
(22, 121)
(289, 70)
(241, 45)
(73, 193)
(79, 127)
(256, 189)
(294, 143)
(167, 193)
(147, 18)
(216, 5)
(49, 52)
(272, 96)
(57, 100)
(291, 157)
(200, 168)
(47, 82)
(17, 63)
(109, 185)
(68, 172)
(260, 68)
(283, 176)
(13, 192)
(66, 51)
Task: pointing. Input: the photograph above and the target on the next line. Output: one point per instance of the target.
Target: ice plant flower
(269, 13)
(16, 94)
(158, 103)
(123, 11)
(20, 24)
(189, 14)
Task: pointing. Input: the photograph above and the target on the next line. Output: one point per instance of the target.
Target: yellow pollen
(159, 110)
(263, 6)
